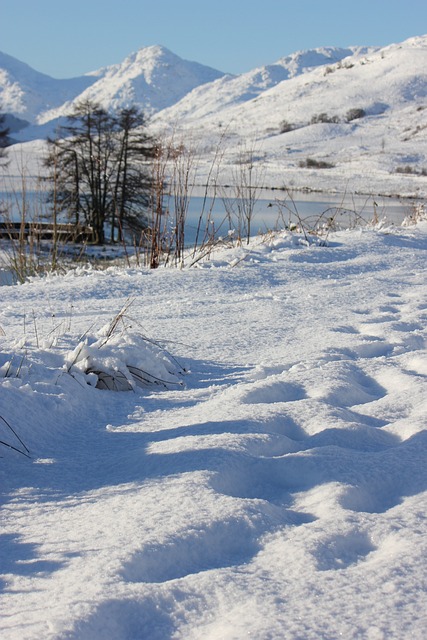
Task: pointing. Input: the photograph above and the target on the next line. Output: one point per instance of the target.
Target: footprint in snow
(216, 546)
(272, 391)
(373, 349)
(341, 551)
(344, 384)
(346, 329)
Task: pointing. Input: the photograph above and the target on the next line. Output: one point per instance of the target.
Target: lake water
(273, 210)
(276, 210)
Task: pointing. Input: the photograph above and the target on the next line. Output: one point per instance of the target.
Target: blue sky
(66, 38)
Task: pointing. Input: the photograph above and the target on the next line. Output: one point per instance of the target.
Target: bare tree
(101, 167)
(135, 151)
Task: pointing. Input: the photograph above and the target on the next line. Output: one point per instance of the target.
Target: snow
(153, 77)
(215, 97)
(389, 84)
(218, 115)
(26, 92)
(278, 491)
(236, 449)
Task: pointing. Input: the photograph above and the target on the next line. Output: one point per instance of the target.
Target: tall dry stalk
(240, 201)
(23, 217)
(152, 241)
(206, 231)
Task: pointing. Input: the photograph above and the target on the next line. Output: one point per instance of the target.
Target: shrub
(355, 114)
(410, 170)
(286, 126)
(418, 214)
(322, 118)
(312, 163)
(406, 169)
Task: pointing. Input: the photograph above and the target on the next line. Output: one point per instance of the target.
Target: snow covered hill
(153, 78)
(387, 79)
(26, 93)
(328, 119)
(212, 100)
(363, 116)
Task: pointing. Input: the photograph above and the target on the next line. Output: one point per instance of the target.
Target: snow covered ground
(277, 489)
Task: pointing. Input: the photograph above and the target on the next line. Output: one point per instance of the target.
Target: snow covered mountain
(375, 80)
(362, 116)
(26, 93)
(361, 112)
(153, 78)
(215, 98)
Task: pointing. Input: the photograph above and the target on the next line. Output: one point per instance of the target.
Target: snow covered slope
(376, 81)
(328, 119)
(26, 93)
(212, 100)
(310, 116)
(386, 79)
(281, 494)
(153, 78)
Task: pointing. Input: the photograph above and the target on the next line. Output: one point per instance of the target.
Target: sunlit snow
(279, 491)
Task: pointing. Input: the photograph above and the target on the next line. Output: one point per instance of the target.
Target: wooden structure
(46, 231)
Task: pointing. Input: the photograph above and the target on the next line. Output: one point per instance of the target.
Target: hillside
(213, 99)
(328, 119)
(387, 86)
(153, 78)
(375, 80)
(26, 93)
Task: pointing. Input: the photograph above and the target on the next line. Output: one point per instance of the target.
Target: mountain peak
(152, 77)
(148, 56)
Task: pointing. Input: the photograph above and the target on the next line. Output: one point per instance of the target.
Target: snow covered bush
(418, 214)
(286, 126)
(118, 358)
(324, 118)
(122, 360)
(355, 114)
(312, 163)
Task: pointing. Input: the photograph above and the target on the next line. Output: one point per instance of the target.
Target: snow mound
(123, 362)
